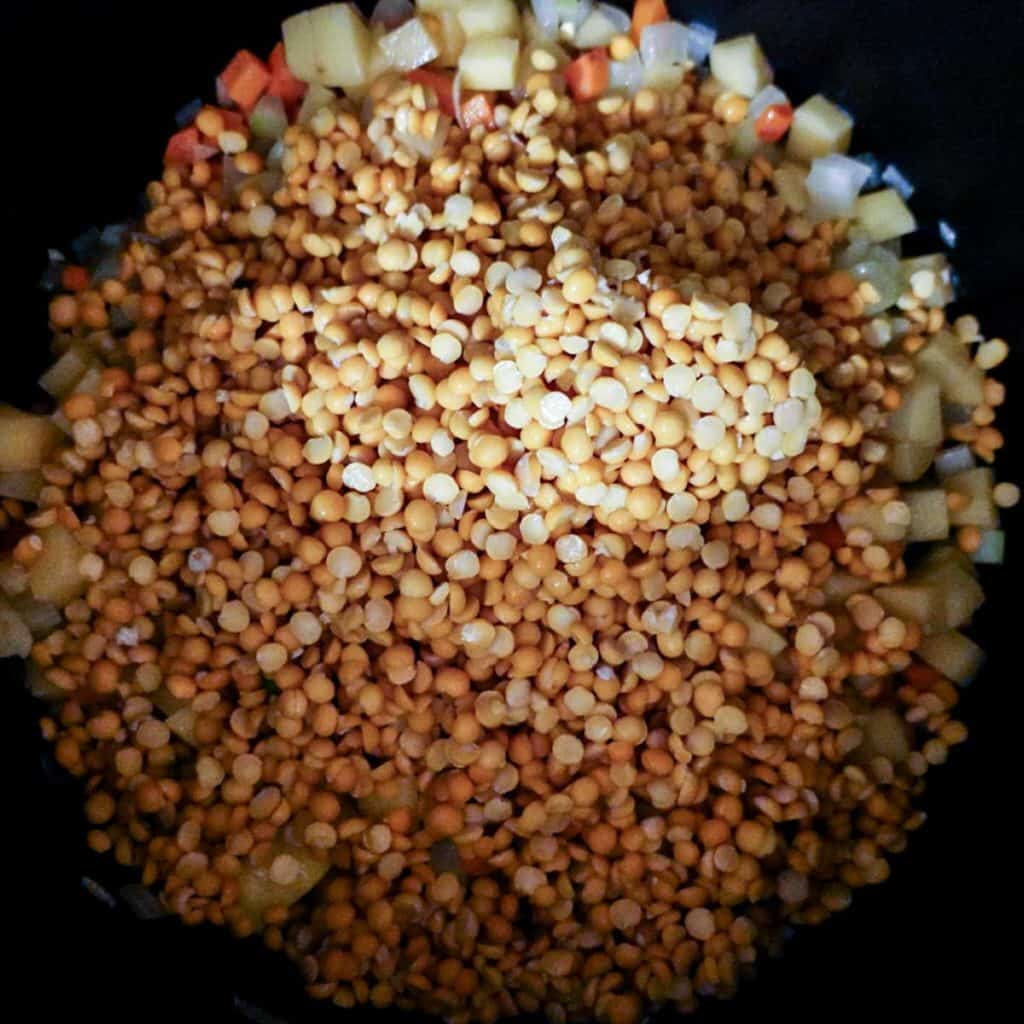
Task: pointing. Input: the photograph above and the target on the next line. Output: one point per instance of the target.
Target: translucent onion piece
(601, 26)
(410, 46)
(954, 460)
(992, 549)
(268, 119)
(664, 43)
(626, 75)
(833, 186)
(390, 14)
(883, 273)
(769, 96)
(700, 39)
(546, 13)
(894, 178)
(423, 146)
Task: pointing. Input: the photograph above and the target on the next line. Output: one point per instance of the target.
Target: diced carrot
(282, 82)
(921, 676)
(773, 122)
(74, 279)
(587, 75)
(245, 79)
(441, 84)
(647, 12)
(184, 147)
(477, 110)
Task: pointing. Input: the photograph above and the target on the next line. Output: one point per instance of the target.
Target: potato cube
(885, 735)
(976, 486)
(60, 379)
(909, 461)
(450, 37)
(912, 602)
(956, 656)
(25, 440)
(490, 63)
(884, 215)
(41, 617)
(480, 18)
(259, 891)
(760, 635)
(740, 65)
(884, 525)
(23, 484)
(929, 515)
(15, 636)
(329, 45)
(54, 575)
(841, 586)
(948, 360)
(819, 128)
(919, 416)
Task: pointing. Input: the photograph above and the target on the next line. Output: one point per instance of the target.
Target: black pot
(92, 86)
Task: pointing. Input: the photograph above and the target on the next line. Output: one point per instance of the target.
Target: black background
(90, 92)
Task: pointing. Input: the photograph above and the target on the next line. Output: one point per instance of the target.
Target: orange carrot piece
(921, 676)
(245, 79)
(587, 75)
(477, 110)
(441, 84)
(282, 82)
(74, 279)
(830, 534)
(647, 12)
(183, 147)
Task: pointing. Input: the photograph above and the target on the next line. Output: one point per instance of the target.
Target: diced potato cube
(956, 656)
(664, 76)
(480, 18)
(259, 892)
(929, 515)
(912, 602)
(944, 556)
(976, 486)
(760, 635)
(491, 63)
(933, 270)
(740, 65)
(884, 215)
(25, 440)
(819, 128)
(450, 37)
(329, 45)
(885, 735)
(841, 586)
(744, 142)
(409, 46)
(884, 526)
(15, 636)
(947, 359)
(54, 575)
(959, 593)
(60, 379)
(909, 461)
(23, 484)
(13, 577)
(41, 617)
(919, 416)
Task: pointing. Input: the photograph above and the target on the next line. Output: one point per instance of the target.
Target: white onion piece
(895, 178)
(427, 148)
(597, 29)
(627, 75)
(617, 16)
(700, 39)
(572, 14)
(546, 13)
(992, 549)
(833, 185)
(664, 43)
(390, 14)
(409, 46)
(954, 460)
(769, 96)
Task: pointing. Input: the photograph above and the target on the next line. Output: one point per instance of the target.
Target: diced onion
(546, 13)
(409, 46)
(992, 549)
(769, 96)
(572, 14)
(601, 26)
(617, 16)
(425, 147)
(954, 460)
(833, 186)
(626, 75)
(874, 166)
(665, 42)
(700, 39)
(894, 178)
(391, 13)
(268, 119)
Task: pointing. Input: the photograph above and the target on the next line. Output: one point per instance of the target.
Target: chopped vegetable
(833, 185)
(480, 18)
(409, 46)
(601, 26)
(645, 13)
(329, 45)
(389, 14)
(884, 215)
(588, 75)
(186, 147)
(54, 575)
(269, 119)
(819, 128)
(25, 440)
(490, 63)
(441, 84)
(954, 655)
(976, 507)
(245, 79)
(929, 514)
(740, 65)
(15, 637)
(283, 83)
(477, 110)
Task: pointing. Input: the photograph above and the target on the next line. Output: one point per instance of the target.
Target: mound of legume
(509, 512)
